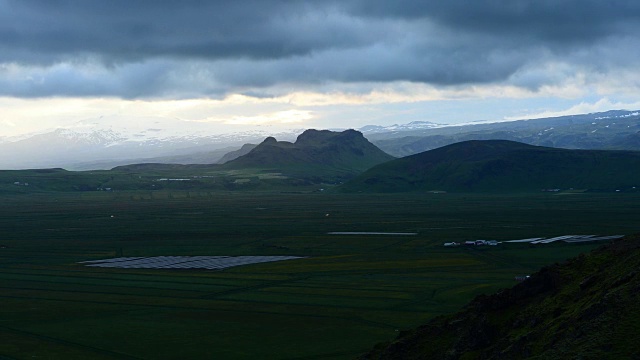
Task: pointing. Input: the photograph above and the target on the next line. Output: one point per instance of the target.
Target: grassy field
(352, 292)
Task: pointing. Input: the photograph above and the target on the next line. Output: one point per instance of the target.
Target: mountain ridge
(95, 144)
(611, 130)
(345, 153)
(502, 165)
(99, 143)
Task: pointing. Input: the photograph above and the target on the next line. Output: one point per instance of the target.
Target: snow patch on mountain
(621, 116)
(414, 125)
(115, 138)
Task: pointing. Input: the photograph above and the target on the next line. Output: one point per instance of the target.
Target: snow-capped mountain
(103, 142)
(617, 115)
(106, 142)
(611, 130)
(414, 125)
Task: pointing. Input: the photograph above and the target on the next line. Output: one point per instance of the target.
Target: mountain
(412, 126)
(316, 157)
(204, 157)
(585, 308)
(232, 155)
(106, 142)
(314, 153)
(113, 140)
(502, 166)
(611, 130)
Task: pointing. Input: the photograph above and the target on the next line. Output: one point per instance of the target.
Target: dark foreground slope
(315, 153)
(501, 165)
(586, 308)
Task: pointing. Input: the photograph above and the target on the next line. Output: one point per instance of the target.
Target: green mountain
(502, 166)
(586, 308)
(315, 153)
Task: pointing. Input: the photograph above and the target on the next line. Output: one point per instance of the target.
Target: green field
(352, 292)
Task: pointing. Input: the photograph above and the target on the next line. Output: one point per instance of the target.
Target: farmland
(350, 291)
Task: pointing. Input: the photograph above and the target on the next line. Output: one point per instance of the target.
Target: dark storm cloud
(125, 30)
(193, 47)
(549, 20)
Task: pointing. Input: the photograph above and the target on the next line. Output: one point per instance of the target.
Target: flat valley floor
(348, 292)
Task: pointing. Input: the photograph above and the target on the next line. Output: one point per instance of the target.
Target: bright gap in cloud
(280, 117)
(330, 106)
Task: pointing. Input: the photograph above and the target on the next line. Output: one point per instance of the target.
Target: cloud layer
(196, 48)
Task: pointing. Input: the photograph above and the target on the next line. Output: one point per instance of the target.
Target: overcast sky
(320, 63)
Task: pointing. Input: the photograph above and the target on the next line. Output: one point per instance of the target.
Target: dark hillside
(315, 153)
(503, 166)
(237, 153)
(586, 308)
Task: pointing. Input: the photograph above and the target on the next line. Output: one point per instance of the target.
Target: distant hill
(611, 130)
(317, 157)
(315, 153)
(586, 308)
(501, 166)
(108, 141)
(219, 156)
(232, 155)
(113, 140)
(206, 157)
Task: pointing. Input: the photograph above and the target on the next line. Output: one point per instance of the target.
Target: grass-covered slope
(315, 153)
(585, 308)
(501, 165)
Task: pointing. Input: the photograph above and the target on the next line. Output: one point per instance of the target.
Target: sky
(239, 64)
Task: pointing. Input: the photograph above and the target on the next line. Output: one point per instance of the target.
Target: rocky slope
(585, 308)
(314, 153)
